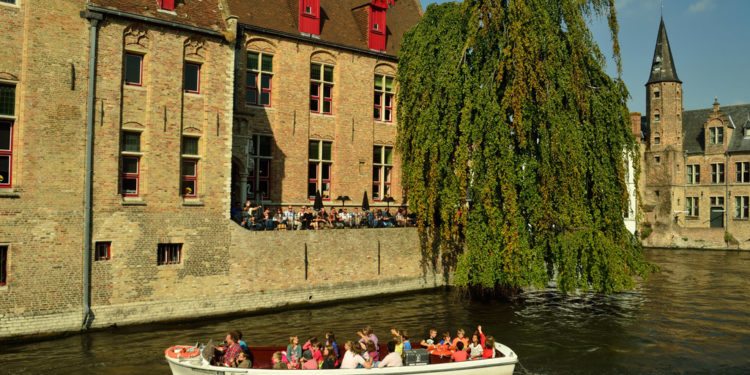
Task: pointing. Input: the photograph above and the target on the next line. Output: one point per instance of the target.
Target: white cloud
(701, 6)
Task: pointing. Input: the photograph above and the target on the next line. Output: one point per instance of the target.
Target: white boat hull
(496, 366)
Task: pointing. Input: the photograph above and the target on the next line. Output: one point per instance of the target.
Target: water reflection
(692, 317)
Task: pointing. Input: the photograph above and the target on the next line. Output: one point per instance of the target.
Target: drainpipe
(94, 19)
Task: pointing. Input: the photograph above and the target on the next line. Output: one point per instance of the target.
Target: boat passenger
(242, 342)
(372, 351)
(294, 351)
(460, 354)
(278, 362)
(460, 336)
(243, 361)
(353, 357)
(329, 361)
(331, 340)
(431, 340)
(231, 350)
(367, 334)
(405, 338)
(443, 348)
(488, 343)
(393, 358)
(475, 347)
(314, 347)
(308, 362)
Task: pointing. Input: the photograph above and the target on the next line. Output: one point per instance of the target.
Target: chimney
(635, 125)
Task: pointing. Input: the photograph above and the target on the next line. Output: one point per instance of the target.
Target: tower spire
(662, 66)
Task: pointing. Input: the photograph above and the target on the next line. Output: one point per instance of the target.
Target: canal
(692, 317)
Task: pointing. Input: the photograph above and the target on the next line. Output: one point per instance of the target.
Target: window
(657, 116)
(383, 98)
(168, 253)
(8, 110)
(102, 251)
(319, 169)
(657, 138)
(657, 159)
(716, 135)
(7, 100)
(133, 69)
(259, 158)
(694, 174)
(259, 66)
(131, 163)
(190, 157)
(192, 82)
(692, 206)
(321, 88)
(741, 204)
(717, 173)
(3, 265)
(743, 171)
(717, 201)
(382, 168)
(657, 93)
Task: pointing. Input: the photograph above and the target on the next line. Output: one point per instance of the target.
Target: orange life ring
(182, 352)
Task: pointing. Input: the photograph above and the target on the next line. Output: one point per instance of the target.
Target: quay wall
(260, 270)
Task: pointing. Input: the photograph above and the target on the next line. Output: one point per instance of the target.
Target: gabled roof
(343, 22)
(694, 136)
(205, 14)
(662, 66)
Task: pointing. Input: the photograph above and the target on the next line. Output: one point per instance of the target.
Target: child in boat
(367, 334)
(431, 340)
(460, 337)
(460, 354)
(392, 359)
(398, 339)
(488, 343)
(353, 357)
(329, 361)
(331, 340)
(313, 346)
(243, 361)
(475, 347)
(443, 348)
(405, 340)
(294, 351)
(372, 352)
(308, 362)
(277, 362)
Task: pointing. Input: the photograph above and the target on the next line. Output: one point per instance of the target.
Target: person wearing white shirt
(393, 359)
(352, 358)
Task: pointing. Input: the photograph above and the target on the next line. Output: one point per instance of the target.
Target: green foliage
(646, 230)
(729, 239)
(508, 101)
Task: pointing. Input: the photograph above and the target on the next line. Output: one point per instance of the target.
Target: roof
(694, 137)
(205, 14)
(343, 22)
(662, 66)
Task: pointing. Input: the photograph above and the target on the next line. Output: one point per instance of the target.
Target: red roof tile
(205, 14)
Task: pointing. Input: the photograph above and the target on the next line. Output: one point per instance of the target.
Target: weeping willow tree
(506, 104)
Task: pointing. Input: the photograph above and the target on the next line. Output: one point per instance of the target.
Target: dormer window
(167, 4)
(376, 38)
(716, 135)
(309, 17)
(747, 131)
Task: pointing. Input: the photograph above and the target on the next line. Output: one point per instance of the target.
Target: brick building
(695, 183)
(128, 127)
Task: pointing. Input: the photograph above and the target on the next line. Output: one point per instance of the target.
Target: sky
(710, 42)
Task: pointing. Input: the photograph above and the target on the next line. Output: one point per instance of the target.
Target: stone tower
(663, 158)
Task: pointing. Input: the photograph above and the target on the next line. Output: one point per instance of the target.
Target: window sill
(9, 193)
(192, 93)
(323, 115)
(692, 217)
(192, 202)
(14, 6)
(258, 107)
(381, 122)
(132, 201)
(135, 87)
(740, 219)
(170, 12)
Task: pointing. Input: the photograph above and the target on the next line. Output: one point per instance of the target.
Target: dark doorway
(717, 217)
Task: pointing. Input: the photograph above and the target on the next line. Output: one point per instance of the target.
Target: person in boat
(367, 334)
(443, 348)
(488, 343)
(294, 351)
(460, 354)
(243, 361)
(329, 358)
(308, 362)
(398, 339)
(231, 350)
(353, 357)
(331, 340)
(405, 340)
(460, 337)
(431, 340)
(393, 358)
(372, 352)
(475, 347)
(314, 347)
(277, 362)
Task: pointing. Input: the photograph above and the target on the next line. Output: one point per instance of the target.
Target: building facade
(694, 188)
(128, 128)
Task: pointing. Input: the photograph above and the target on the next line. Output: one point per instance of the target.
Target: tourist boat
(191, 360)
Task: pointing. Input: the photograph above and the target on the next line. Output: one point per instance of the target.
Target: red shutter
(376, 35)
(166, 4)
(309, 16)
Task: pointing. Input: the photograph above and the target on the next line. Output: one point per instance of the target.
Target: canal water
(692, 317)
